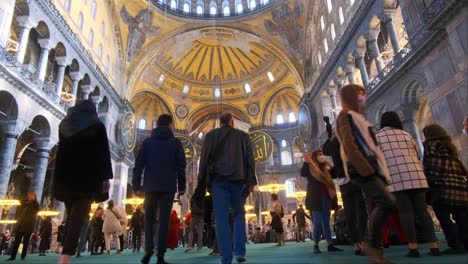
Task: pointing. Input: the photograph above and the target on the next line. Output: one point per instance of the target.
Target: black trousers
(77, 212)
(136, 240)
(355, 211)
(158, 208)
(25, 236)
(97, 241)
(121, 238)
(455, 233)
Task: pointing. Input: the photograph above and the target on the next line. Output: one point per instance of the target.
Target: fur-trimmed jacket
(446, 175)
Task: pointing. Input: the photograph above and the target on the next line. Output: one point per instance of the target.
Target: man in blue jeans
(162, 158)
(227, 169)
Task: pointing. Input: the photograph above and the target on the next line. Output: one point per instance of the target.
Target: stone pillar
(11, 131)
(40, 167)
(86, 89)
(359, 56)
(26, 25)
(339, 81)
(374, 47)
(62, 63)
(8, 7)
(75, 76)
(410, 126)
(42, 67)
(331, 91)
(96, 100)
(349, 69)
(388, 20)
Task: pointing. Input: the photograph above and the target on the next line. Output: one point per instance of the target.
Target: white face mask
(321, 159)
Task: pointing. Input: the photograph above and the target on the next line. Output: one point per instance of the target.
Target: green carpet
(263, 254)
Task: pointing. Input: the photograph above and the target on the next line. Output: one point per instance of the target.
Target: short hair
(164, 120)
(274, 196)
(225, 118)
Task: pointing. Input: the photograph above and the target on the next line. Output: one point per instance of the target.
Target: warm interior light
(250, 215)
(8, 203)
(248, 207)
(46, 213)
(8, 221)
(272, 188)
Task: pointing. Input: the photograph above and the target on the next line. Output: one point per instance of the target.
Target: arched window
(226, 8)
(279, 119)
(247, 88)
(199, 10)
(213, 8)
(325, 44)
(239, 7)
(100, 50)
(80, 22)
(271, 77)
(340, 12)
(68, 4)
(217, 92)
(107, 62)
(161, 78)
(154, 124)
(290, 187)
(185, 89)
(200, 135)
(186, 7)
(351, 2)
(93, 9)
(319, 57)
(284, 143)
(322, 23)
(286, 158)
(333, 33)
(91, 37)
(329, 5)
(173, 4)
(292, 117)
(252, 4)
(103, 29)
(142, 124)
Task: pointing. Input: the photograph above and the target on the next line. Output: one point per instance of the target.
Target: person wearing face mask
(321, 196)
(365, 165)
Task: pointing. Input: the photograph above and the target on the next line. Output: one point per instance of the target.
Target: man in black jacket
(299, 218)
(27, 214)
(227, 167)
(162, 158)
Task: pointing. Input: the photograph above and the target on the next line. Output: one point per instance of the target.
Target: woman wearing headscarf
(82, 170)
(321, 196)
(365, 165)
(448, 183)
(409, 184)
(173, 238)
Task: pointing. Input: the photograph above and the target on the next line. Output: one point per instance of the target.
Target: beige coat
(124, 223)
(111, 221)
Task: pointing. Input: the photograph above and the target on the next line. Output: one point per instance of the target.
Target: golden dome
(149, 106)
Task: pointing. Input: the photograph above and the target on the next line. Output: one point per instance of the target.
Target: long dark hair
(391, 119)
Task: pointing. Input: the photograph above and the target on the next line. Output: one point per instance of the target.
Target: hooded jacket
(83, 158)
(162, 158)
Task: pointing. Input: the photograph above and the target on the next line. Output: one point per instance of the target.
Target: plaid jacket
(446, 175)
(402, 158)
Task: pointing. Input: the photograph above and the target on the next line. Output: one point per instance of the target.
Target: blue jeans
(228, 195)
(158, 208)
(321, 220)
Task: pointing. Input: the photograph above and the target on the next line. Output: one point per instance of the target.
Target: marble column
(388, 20)
(96, 100)
(11, 130)
(331, 91)
(410, 126)
(86, 89)
(339, 81)
(359, 56)
(44, 59)
(375, 50)
(40, 167)
(349, 69)
(75, 76)
(26, 24)
(62, 63)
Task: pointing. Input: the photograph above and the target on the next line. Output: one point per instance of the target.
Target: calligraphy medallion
(189, 149)
(304, 124)
(128, 131)
(262, 146)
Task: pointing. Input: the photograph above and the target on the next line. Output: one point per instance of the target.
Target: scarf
(321, 173)
(79, 117)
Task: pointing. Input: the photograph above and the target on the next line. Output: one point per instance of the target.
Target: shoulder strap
(114, 214)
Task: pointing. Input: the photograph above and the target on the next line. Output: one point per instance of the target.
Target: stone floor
(262, 254)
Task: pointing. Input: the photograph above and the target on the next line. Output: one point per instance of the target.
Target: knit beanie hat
(391, 119)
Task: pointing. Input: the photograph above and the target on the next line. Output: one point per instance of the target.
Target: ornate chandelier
(272, 188)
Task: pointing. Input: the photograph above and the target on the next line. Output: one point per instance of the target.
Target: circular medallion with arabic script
(181, 111)
(304, 123)
(262, 146)
(128, 131)
(189, 148)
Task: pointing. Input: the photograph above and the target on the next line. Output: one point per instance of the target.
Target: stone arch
(8, 107)
(96, 92)
(40, 126)
(149, 105)
(43, 30)
(74, 65)
(275, 98)
(104, 105)
(60, 50)
(411, 93)
(378, 114)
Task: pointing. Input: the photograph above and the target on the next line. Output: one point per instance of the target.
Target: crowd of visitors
(384, 179)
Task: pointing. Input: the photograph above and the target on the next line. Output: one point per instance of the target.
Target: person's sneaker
(146, 258)
(435, 252)
(453, 251)
(413, 253)
(333, 248)
(241, 259)
(317, 249)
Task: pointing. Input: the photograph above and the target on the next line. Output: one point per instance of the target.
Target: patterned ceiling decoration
(284, 102)
(149, 106)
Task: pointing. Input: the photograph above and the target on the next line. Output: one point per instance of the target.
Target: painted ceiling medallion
(181, 111)
(253, 109)
(305, 123)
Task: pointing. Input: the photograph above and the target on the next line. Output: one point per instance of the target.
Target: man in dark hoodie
(162, 158)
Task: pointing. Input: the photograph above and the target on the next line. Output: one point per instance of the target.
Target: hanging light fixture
(47, 212)
(299, 195)
(134, 202)
(272, 188)
(8, 202)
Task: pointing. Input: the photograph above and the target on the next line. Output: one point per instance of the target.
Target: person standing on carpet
(136, 225)
(277, 214)
(112, 226)
(299, 219)
(162, 158)
(173, 237)
(45, 232)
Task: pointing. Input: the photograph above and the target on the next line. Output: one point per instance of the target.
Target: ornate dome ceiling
(149, 106)
(285, 102)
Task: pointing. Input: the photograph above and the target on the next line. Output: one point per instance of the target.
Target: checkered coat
(402, 158)
(446, 175)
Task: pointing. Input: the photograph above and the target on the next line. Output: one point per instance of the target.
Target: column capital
(43, 144)
(359, 52)
(339, 81)
(331, 90)
(75, 75)
(373, 34)
(349, 68)
(86, 88)
(96, 99)
(45, 43)
(62, 61)
(25, 22)
(388, 14)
